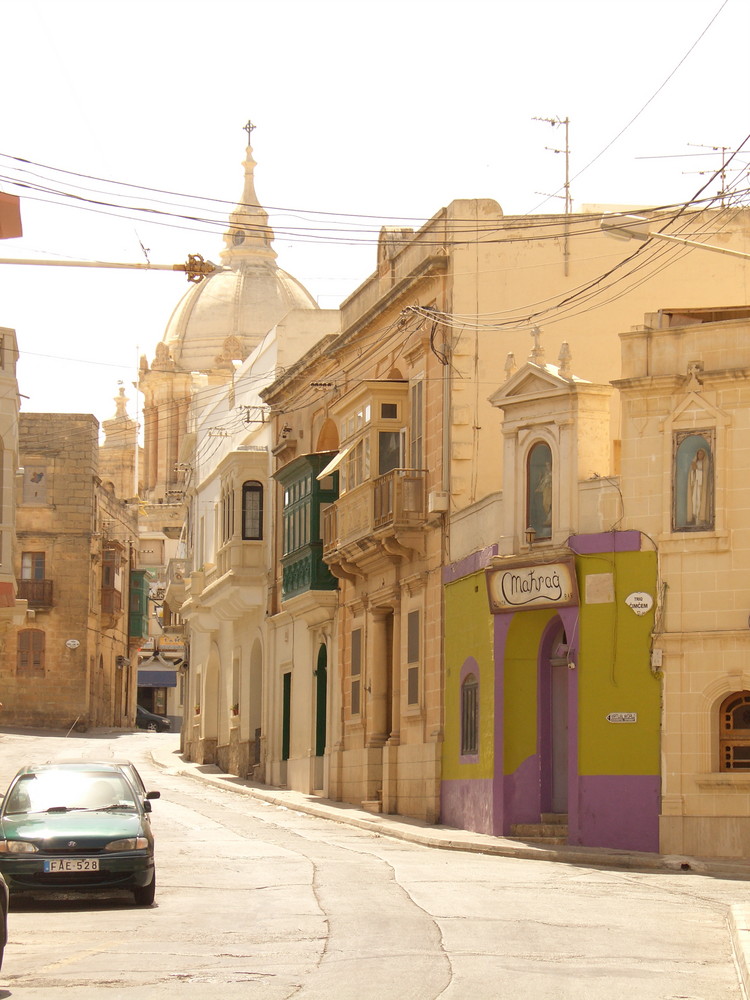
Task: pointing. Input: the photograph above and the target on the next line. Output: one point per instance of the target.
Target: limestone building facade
(12, 608)
(400, 401)
(72, 661)
(685, 482)
(387, 467)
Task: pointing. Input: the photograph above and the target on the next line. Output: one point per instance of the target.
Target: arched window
(734, 729)
(539, 491)
(252, 511)
(469, 715)
(30, 651)
(693, 482)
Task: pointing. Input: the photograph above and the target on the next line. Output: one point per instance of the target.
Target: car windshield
(63, 791)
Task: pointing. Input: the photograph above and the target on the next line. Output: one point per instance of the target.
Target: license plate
(72, 865)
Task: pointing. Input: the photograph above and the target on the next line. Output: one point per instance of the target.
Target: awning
(334, 463)
(157, 678)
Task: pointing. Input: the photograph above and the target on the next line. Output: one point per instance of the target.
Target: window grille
(470, 716)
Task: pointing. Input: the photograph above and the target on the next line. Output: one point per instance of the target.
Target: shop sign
(524, 587)
(172, 647)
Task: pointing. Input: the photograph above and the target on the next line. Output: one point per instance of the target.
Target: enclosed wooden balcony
(388, 513)
(38, 593)
(111, 601)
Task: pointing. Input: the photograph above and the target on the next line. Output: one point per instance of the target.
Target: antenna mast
(556, 122)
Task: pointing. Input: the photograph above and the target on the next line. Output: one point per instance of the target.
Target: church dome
(223, 317)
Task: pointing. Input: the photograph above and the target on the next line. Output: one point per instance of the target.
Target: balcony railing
(399, 498)
(37, 592)
(395, 502)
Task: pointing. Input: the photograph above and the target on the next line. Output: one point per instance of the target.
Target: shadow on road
(72, 903)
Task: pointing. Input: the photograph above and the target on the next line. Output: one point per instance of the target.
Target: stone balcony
(387, 514)
(174, 592)
(233, 586)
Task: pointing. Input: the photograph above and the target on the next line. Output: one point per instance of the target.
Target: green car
(77, 827)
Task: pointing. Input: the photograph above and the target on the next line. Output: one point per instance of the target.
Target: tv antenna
(565, 123)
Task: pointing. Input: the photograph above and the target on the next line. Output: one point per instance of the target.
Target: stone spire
(249, 237)
(117, 454)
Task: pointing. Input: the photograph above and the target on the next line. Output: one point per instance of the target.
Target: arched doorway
(321, 716)
(254, 709)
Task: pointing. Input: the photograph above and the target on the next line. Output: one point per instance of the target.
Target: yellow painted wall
(468, 633)
(614, 670)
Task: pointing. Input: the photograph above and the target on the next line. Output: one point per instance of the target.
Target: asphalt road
(258, 901)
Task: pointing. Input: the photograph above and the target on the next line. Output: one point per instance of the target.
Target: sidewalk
(428, 835)
(447, 838)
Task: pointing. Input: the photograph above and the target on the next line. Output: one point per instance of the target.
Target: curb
(449, 838)
(738, 919)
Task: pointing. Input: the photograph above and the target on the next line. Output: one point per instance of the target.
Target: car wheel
(152, 727)
(144, 894)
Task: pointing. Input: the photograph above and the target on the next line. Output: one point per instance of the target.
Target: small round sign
(72, 643)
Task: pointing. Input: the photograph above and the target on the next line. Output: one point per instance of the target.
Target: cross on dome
(249, 237)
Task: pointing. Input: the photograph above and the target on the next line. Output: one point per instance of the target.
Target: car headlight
(128, 844)
(17, 847)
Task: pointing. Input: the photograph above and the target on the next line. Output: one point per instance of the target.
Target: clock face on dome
(238, 237)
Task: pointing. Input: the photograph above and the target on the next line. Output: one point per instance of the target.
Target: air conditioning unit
(437, 502)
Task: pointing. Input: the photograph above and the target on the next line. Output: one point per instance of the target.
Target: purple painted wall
(467, 804)
(606, 541)
(618, 811)
(521, 795)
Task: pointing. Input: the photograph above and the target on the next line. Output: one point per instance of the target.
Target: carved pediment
(532, 381)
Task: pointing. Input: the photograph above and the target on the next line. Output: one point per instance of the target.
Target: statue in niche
(539, 486)
(693, 482)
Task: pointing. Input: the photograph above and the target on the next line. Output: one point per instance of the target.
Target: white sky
(387, 108)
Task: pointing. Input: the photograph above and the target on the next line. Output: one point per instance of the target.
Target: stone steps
(552, 829)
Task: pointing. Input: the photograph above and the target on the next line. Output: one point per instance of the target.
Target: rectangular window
(389, 451)
(252, 512)
(227, 515)
(356, 669)
(30, 651)
(416, 426)
(358, 464)
(413, 651)
(111, 576)
(32, 566)
(389, 411)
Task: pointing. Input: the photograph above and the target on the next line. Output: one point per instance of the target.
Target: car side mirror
(146, 806)
(153, 795)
